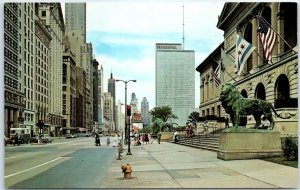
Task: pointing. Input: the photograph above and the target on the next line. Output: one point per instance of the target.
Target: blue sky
(124, 34)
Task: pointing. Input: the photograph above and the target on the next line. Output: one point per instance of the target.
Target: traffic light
(128, 110)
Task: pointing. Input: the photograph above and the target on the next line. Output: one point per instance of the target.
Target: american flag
(217, 75)
(267, 37)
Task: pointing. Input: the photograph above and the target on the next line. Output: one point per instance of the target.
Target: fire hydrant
(126, 169)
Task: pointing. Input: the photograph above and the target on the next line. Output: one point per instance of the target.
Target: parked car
(46, 138)
(34, 139)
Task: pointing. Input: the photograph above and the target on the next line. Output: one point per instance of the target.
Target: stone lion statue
(236, 106)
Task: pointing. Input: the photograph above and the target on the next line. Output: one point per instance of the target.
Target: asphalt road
(65, 163)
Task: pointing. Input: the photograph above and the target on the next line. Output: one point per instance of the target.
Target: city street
(65, 163)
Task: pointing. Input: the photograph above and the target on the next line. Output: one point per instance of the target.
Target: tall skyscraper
(75, 14)
(112, 91)
(51, 15)
(175, 79)
(134, 103)
(145, 111)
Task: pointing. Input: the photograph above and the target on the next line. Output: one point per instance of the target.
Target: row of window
(12, 69)
(10, 42)
(13, 83)
(41, 46)
(10, 55)
(41, 98)
(9, 14)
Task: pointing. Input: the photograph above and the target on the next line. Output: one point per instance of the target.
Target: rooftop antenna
(183, 26)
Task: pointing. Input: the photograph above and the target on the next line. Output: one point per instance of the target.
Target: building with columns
(275, 81)
(52, 17)
(41, 69)
(14, 94)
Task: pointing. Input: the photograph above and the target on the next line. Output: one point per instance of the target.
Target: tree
(164, 113)
(194, 118)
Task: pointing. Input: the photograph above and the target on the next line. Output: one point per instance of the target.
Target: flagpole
(277, 33)
(224, 70)
(262, 56)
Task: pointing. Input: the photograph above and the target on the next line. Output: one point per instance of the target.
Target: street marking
(32, 168)
(10, 157)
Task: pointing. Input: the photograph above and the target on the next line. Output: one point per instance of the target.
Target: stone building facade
(275, 81)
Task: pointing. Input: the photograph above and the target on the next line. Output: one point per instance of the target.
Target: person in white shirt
(265, 123)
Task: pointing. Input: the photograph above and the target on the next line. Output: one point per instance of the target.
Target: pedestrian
(146, 138)
(97, 140)
(265, 123)
(150, 139)
(16, 139)
(175, 136)
(158, 137)
(187, 130)
(143, 138)
(108, 140)
(116, 141)
(226, 122)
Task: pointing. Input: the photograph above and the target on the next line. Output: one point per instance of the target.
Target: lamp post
(127, 128)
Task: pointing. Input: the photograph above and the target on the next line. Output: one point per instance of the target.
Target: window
(43, 13)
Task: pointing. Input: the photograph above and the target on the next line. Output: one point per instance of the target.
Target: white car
(46, 138)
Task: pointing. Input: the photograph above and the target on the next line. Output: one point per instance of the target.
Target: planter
(243, 143)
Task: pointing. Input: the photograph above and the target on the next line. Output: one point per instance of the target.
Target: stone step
(210, 142)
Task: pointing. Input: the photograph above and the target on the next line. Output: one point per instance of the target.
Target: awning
(69, 128)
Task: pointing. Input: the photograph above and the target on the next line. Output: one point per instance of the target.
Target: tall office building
(100, 96)
(14, 98)
(145, 111)
(75, 14)
(51, 16)
(175, 79)
(112, 91)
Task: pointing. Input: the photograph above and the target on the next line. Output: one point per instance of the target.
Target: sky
(124, 34)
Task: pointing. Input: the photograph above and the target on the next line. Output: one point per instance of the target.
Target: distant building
(112, 90)
(108, 111)
(175, 80)
(100, 96)
(145, 111)
(134, 103)
(75, 15)
(69, 89)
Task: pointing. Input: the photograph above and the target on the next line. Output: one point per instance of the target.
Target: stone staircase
(210, 142)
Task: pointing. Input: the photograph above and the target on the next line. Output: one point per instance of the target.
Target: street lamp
(127, 129)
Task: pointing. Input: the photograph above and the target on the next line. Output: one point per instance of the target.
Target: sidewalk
(169, 165)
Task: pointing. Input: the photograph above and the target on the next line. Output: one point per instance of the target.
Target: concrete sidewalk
(168, 165)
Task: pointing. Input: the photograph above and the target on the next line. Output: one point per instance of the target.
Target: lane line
(32, 168)
(10, 157)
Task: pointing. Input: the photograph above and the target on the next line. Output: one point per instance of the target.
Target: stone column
(254, 43)
(274, 11)
(15, 118)
(6, 119)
